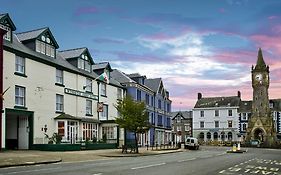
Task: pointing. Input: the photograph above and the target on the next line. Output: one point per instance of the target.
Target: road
(207, 160)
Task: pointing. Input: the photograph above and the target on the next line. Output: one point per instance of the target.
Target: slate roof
(231, 101)
(245, 106)
(33, 34)
(101, 65)
(72, 53)
(183, 114)
(17, 47)
(120, 76)
(23, 36)
(153, 83)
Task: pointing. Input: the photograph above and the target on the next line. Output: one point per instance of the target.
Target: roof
(136, 75)
(5, 18)
(102, 65)
(245, 106)
(260, 62)
(120, 76)
(183, 114)
(34, 34)
(17, 47)
(72, 53)
(231, 101)
(66, 116)
(153, 83)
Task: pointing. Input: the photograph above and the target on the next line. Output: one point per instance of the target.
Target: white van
(191, 143)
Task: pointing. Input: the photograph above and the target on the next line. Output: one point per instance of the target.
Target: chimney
(199, 96)
(239, 94)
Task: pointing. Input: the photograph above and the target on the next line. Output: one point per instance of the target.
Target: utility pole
(2, 33)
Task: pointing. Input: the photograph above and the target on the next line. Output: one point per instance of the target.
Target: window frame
(20, 96)
(230, 124)
(89, 107)
(202, 113)
(217, 113)
(202, 124)
(20, 62)
(59, 103)
(103, 89)
(217, 124)
(230, 113)
(59, 76)
(89, 85)
(104, 113)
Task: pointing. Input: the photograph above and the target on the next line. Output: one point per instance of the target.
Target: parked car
(191, 143)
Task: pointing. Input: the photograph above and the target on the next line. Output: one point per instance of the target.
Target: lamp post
(2, 33)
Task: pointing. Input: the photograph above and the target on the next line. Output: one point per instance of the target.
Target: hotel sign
(80, 93)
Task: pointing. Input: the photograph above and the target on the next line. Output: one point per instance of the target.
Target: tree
(132, 117)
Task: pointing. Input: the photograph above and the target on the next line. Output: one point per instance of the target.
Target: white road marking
(98, 174)
(185, 160)
(28, 171)
(147, 166)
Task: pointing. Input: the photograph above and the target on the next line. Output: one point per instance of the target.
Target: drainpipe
(2, 33)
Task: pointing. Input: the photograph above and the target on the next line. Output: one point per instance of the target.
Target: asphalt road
(207, 160)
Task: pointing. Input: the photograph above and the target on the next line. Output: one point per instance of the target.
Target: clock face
(258, 77)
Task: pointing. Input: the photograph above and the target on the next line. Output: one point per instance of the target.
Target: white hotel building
(216, 118)
(50, 91)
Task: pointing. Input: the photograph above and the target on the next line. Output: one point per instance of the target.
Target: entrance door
(72, 134)
(23, 132)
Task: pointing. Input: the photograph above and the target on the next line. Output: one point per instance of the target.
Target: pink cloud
(271, 43)
(222, 10)
(236, 56)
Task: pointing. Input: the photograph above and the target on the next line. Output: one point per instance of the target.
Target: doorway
(18, 129)
(258, 134)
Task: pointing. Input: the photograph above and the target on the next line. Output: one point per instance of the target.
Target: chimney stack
(199, 96)
(239, 94)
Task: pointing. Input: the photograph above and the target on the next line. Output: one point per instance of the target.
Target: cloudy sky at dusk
(205, 46)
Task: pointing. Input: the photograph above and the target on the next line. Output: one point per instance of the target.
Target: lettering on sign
(80, 93)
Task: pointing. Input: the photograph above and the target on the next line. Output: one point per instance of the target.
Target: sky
(206, 46)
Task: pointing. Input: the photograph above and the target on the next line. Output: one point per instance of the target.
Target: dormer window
(8, 35)
(44, 46)
(84, 63)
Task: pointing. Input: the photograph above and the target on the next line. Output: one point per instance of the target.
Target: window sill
(58, 84)
(89, 92)
(103, 96)
(20, 107)
(59, 112)
(20, 74)
(89, 115)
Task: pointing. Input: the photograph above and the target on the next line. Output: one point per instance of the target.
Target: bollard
(238, 147)
(234, 148)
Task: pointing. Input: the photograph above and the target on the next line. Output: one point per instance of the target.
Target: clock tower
(260, 125)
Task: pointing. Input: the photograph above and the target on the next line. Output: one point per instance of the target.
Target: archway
(229, 136)
(216, 136)
(209, 136)
(259, 134)
(201, 136)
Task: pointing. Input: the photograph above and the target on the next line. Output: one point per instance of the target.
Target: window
(20, 96)
(152, 101)
(20, 65)
(178, 119)
(201, 124)
(217, 124)
(229, 123)
(84, 63)
(8, 35)
(147, 99)
(244, 117)
(159, 104)
(159, 120)
(108, 131)
(202, 113)
(152, 119)
(59, 76)
(61, 128)
(178, 128)
(89, 131)
(168, 107)
(89, 107)
(216, 113)
(89, 85)
(230, 112)
(186, 127)
(44, 46)
(168, 122)
(138, 95)
(103, 89)
(104, 113)
(119, 93)
(59, 103)
(244, 127)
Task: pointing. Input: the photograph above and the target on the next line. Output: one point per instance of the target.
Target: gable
(6, 21)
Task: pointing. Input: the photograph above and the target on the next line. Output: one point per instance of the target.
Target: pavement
(11, 158)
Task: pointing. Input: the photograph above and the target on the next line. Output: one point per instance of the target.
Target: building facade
(158, 106)
(216, 118)
(50, 91)
(181, 126)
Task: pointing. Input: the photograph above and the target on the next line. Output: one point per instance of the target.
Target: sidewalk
(31, 157)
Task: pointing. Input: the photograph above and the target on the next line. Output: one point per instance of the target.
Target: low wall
(72, 147)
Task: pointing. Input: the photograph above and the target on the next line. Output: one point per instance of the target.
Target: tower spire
(260, 62)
